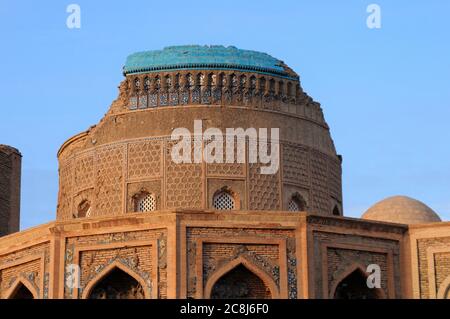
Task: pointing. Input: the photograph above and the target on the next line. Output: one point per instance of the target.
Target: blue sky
(385, 92)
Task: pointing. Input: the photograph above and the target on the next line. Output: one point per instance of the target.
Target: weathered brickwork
(115, 167)
(216, 256)
(92, 261)
(84, 172)
(264, 191)
(31, 264)
(319, 183)
(441, 263)
(184, 181)
(139, 259)
(296, 168)
(144, 159)
(10, 173)
(335, 179)
(235, 169)
(31, 271)
(240, 283)
(66, 190)
(139, 225)
(153, 187)
(109, 183)
(316, 172)
(254, 257)
(265, 257)
(151, 105)
(341, 259)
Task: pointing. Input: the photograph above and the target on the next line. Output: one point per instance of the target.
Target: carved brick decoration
(66, 190)
(84, 172)
(152, 187)
(144, 159)
(340, 260)
(234, 169)
(109, 183)
(319, 183)
(263, 189)
(139, 259)
(218, 253)
(219, 88)
(240, 283)
(30, 270)
(343, 251)
(440, 261)
(118, 285)
(296, 165)
(31, 264)
(184, 182)
(334, 179)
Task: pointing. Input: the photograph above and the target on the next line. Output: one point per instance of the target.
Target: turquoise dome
(205, 57)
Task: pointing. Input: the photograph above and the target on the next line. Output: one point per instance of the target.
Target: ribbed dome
(402, 210)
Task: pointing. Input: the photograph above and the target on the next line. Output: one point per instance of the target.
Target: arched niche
(255, 275)
(117, 282)
(352, 284)
(21, 289)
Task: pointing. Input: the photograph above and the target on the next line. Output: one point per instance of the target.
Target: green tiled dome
(205, 57)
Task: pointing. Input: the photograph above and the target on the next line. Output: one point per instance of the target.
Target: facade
(132, 222)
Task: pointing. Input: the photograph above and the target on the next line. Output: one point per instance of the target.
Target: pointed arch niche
(117, 281)
(21, 289)
(240, 279)
(352, 284)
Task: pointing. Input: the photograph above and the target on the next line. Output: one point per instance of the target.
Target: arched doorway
(21, 292)
(240, 283)
(354, 286)
(117, 284)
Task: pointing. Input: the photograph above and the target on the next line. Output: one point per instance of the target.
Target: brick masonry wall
(240, 283)
(139, 258)
(106, 176)
(30, 270)
(132, 144)
(255, 237)
(339, 260)
(263, 256)
(10, 174)
(441, 262)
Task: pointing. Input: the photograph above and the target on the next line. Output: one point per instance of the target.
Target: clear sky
(385, 92)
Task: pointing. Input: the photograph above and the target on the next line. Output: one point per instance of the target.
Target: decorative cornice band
(209, 66)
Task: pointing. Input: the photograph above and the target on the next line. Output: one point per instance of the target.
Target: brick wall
(440, 260)
(31, 264)
(140, 258)
(338, 252)
(217, 254)
(10, 170)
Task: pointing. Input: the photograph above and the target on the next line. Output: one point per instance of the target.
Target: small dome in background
(402, 210)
